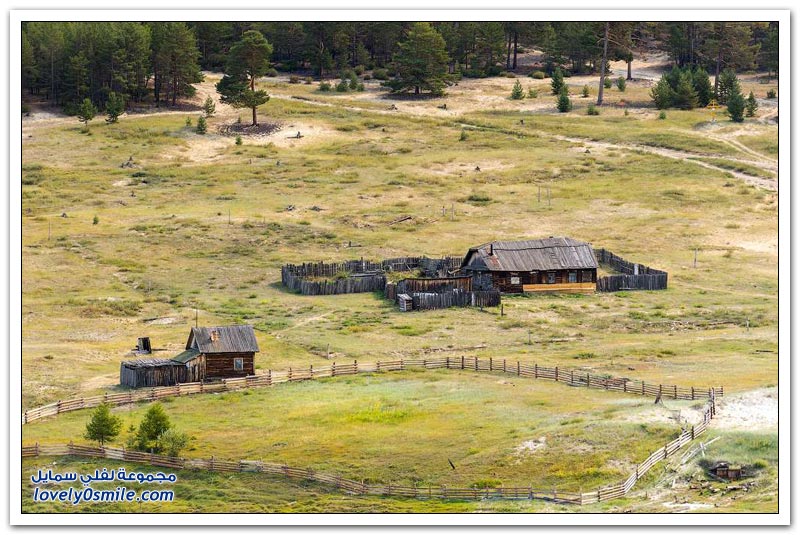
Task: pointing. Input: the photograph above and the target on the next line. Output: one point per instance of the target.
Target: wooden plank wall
(647, 278)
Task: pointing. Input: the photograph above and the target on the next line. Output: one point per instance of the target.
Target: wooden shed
(543, 265)
(210, 353)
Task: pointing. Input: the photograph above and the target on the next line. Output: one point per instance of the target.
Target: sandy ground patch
(756, 410)
(530, 446)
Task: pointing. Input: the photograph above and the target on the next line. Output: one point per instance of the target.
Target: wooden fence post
(556, 373)
(535, 371)
(333, 370)
(504, 365)
(476, 363)
(447, 363)
(290, 373)
(490, 364)
(572, 377)
(675, 391)
(692, 393)
(462, 362)
(517, 367)
(692, 432)
(355, 366)
(269, 378)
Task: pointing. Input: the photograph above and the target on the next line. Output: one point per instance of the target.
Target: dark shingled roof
(230, 339)
(531, 255)
(149, 363)
(186, 356)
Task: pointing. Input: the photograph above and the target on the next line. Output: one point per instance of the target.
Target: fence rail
(570, 377)
(634, 276)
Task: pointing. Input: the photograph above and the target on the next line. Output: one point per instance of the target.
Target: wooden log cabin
(544, 265)
(211, 353)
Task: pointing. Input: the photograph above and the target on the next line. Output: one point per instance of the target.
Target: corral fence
(455, 298)
(570, 377)
(357, 276)
(634, 276)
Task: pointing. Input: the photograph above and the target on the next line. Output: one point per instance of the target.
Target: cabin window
(238, 364)
(514, 280)
(551, 277)
(586, 276)
(573, 276)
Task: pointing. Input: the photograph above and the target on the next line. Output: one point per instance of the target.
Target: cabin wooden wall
(219, 365)
(539, 281)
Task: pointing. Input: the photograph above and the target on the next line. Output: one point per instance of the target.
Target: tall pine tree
(248, 59)
(421, 62)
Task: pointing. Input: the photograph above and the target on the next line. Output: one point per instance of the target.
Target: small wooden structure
(544, 265)
(210, 353)
(725, 471)
(405, 302)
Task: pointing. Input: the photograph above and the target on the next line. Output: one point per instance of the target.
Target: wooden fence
(455, 298)
(356, 276)
(570, 377)
(634, 277)
(608, 492)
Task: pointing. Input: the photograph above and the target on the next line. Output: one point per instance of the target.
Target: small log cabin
(211, 353)
(544, 265)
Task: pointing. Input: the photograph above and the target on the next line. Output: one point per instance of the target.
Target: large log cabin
(211, 353)
(545, 265)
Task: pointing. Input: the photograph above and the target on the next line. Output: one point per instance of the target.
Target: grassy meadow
(199, 224)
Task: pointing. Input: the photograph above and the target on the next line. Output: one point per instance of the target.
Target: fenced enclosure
(634, 276)
(357, 276)
(567, 376)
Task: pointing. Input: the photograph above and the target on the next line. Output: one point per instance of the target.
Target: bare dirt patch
(756, 410)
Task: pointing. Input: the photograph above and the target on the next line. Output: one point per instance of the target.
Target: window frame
(240, 362)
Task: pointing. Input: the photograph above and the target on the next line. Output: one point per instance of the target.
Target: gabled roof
(229, 339)
(531, 255)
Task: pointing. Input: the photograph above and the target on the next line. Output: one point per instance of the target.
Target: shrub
(367, 77)
(209, 107)
(585, 91)
(308, 80)
(736, 105)
(533, 93)
(662, 93)
(360, 87)
(538, 75)
(201, 125)
(294, 79)
(626, 113)
(189, 122)
(621, 84)
(359, 70)
(325, 86)
(238, 140)
(272, 72)
(771, 93)
(463, 136)
(343, 86)
(95, 220)
(26, 110)
(380, 74)
(592, 110)
(171, 442)
(115, 105)
(662, 115)
(517, 93)
(353, 83)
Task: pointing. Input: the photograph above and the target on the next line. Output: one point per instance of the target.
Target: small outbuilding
(210, 353)
(542, 265)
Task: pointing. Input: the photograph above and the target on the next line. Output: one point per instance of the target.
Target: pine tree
(702, 85)
(421, 62)
(685, 96)
(115, 105)
(153, 425)
(248, 59)
(557, 81)
(662, 94)
(202, 127)
(736, 105)
(103, 426)
(751, 105)
(86, 112)
(517, 93)
(563, 103)
(209, 107)
(728, 85)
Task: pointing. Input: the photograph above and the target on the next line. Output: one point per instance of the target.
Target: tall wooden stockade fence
(635, 276)
(358, 276)
(570, 377)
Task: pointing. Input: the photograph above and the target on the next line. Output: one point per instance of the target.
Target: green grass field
(200, 223)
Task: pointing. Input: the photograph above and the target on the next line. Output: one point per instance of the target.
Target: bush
(736, 105)
(621, 84)
(171, 442)
(308, 80)
(607, 82)
(662, 93)
(367, 77)
(538, 75)
(359, 70)
(325, 86)
(189, 122)
(751, 105)
(360, 87)
(585, 91)
(771, 93)
(294, 79)
(662, 115)
(563, 103)
(533, 93)
(271, 73)
(517, 93)
(343, 86)
(380, 74)
(202, 128)
(95, 220)
(115, 105)
(209, 107)
(26, 109)
(592, 110)
(463, 136)
(238, 140)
